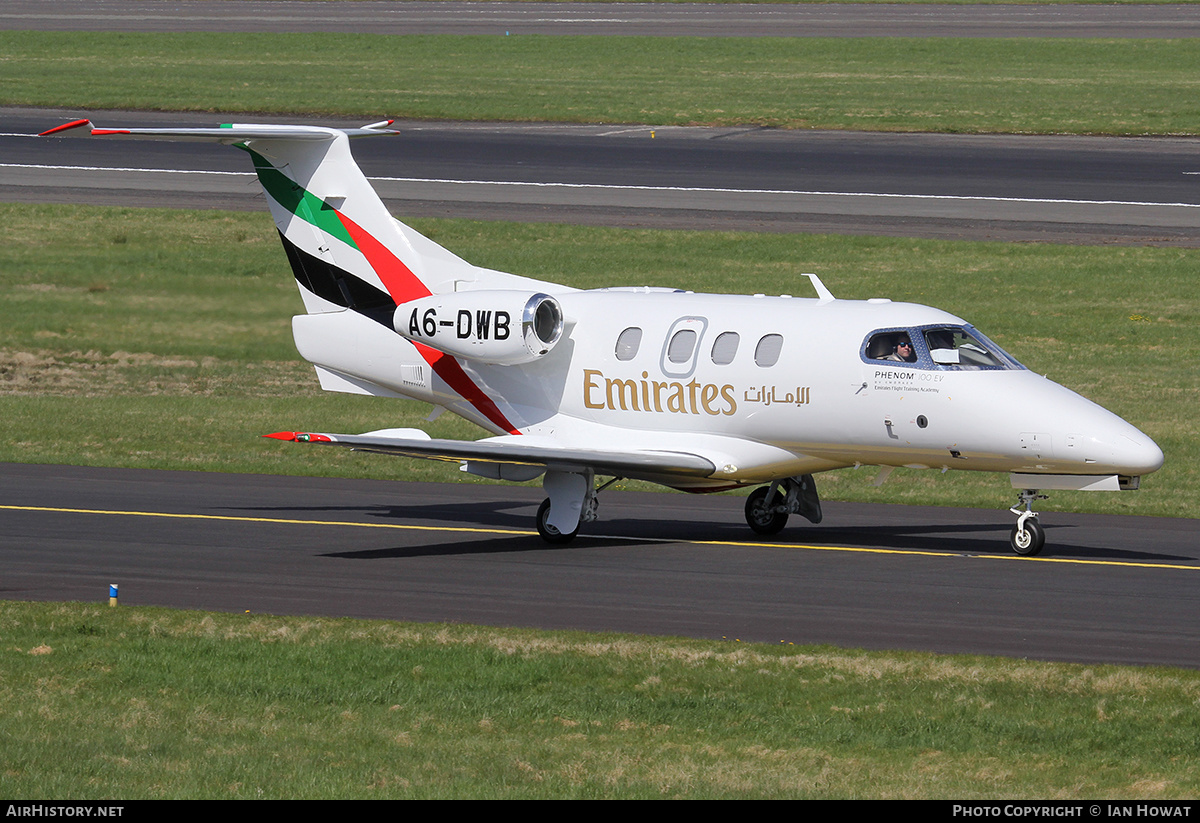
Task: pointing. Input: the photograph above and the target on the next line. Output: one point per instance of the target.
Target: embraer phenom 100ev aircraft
(699, 392)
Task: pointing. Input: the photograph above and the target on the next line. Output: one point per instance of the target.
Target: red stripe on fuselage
(404, 286)
(452, 372)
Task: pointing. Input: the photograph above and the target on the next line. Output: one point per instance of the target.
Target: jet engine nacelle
(503, 328)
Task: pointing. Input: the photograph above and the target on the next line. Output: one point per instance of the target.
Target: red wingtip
(74, 124)
(300, 437)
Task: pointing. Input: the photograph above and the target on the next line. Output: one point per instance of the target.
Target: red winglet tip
(74, 124)
(300, 437)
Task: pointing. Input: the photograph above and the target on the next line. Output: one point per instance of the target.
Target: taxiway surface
(1111, 589)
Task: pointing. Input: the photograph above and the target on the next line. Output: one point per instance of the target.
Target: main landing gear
(550, 533)
(1028, 536)
(573, 500)
(768, 507)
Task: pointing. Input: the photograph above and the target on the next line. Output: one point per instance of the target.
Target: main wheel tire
(759, 515)
(548, 532)
(1028, 540)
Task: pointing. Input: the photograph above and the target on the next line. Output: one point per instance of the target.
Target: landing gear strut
(1027, 536)
(768, 507)
(573, 500)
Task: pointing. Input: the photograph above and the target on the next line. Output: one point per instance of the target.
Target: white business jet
(698, 392)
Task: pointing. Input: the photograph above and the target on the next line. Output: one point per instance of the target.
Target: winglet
(74, 124)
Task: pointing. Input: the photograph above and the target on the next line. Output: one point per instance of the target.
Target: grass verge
(136, 703)
(161, 338)
(890, 84)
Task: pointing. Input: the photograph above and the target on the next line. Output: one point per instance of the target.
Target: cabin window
(725, 348)
(683, 343)
(628, 343)
(766, 354)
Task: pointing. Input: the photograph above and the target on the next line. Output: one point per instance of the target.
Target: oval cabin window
(682, 345)
(766, 354)
(725, 348)
(628, 343)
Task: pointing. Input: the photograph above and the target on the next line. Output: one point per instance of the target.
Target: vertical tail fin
(348, 252)
(342, 242)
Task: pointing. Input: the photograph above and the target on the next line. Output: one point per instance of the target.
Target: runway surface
(646, 19)
(1111, 589)
(1057, 189)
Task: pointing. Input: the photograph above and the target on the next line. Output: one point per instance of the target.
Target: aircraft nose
(1095, 440)
(1136, 453)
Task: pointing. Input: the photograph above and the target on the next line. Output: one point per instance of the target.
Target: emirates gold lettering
(656, 396)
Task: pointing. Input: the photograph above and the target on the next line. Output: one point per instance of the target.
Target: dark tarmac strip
(645, 19)
(1110, 589)
(983, 187)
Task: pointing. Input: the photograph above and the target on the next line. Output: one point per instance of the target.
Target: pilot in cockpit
(903, 352)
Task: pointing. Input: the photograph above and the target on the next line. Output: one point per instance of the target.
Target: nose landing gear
(1027, 536)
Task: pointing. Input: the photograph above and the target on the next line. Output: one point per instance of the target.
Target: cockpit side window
(892, 346)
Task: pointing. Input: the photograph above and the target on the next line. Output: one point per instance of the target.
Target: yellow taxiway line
(731, 543)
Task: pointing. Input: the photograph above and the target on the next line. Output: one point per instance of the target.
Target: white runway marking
(673, 189)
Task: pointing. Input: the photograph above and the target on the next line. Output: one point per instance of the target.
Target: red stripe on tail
(404, 286)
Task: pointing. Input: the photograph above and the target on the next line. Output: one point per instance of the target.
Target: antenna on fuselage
(825, 294)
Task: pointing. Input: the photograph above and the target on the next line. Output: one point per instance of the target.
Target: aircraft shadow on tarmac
(942, 538)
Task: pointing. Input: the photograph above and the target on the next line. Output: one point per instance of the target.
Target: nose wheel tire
(1028, 538)
(761, 515)
(548, 532)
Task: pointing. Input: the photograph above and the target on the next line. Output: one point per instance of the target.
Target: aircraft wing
(519, 451)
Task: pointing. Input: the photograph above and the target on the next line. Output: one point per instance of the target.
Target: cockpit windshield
(965, 348)
(945, 348)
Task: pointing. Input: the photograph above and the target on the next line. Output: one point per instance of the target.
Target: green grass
(897, 84)
(136, 703)
(161, 339)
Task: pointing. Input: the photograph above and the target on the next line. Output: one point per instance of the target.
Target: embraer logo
(693, 397)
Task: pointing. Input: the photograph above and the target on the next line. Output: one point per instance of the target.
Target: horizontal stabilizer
(229, 133)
